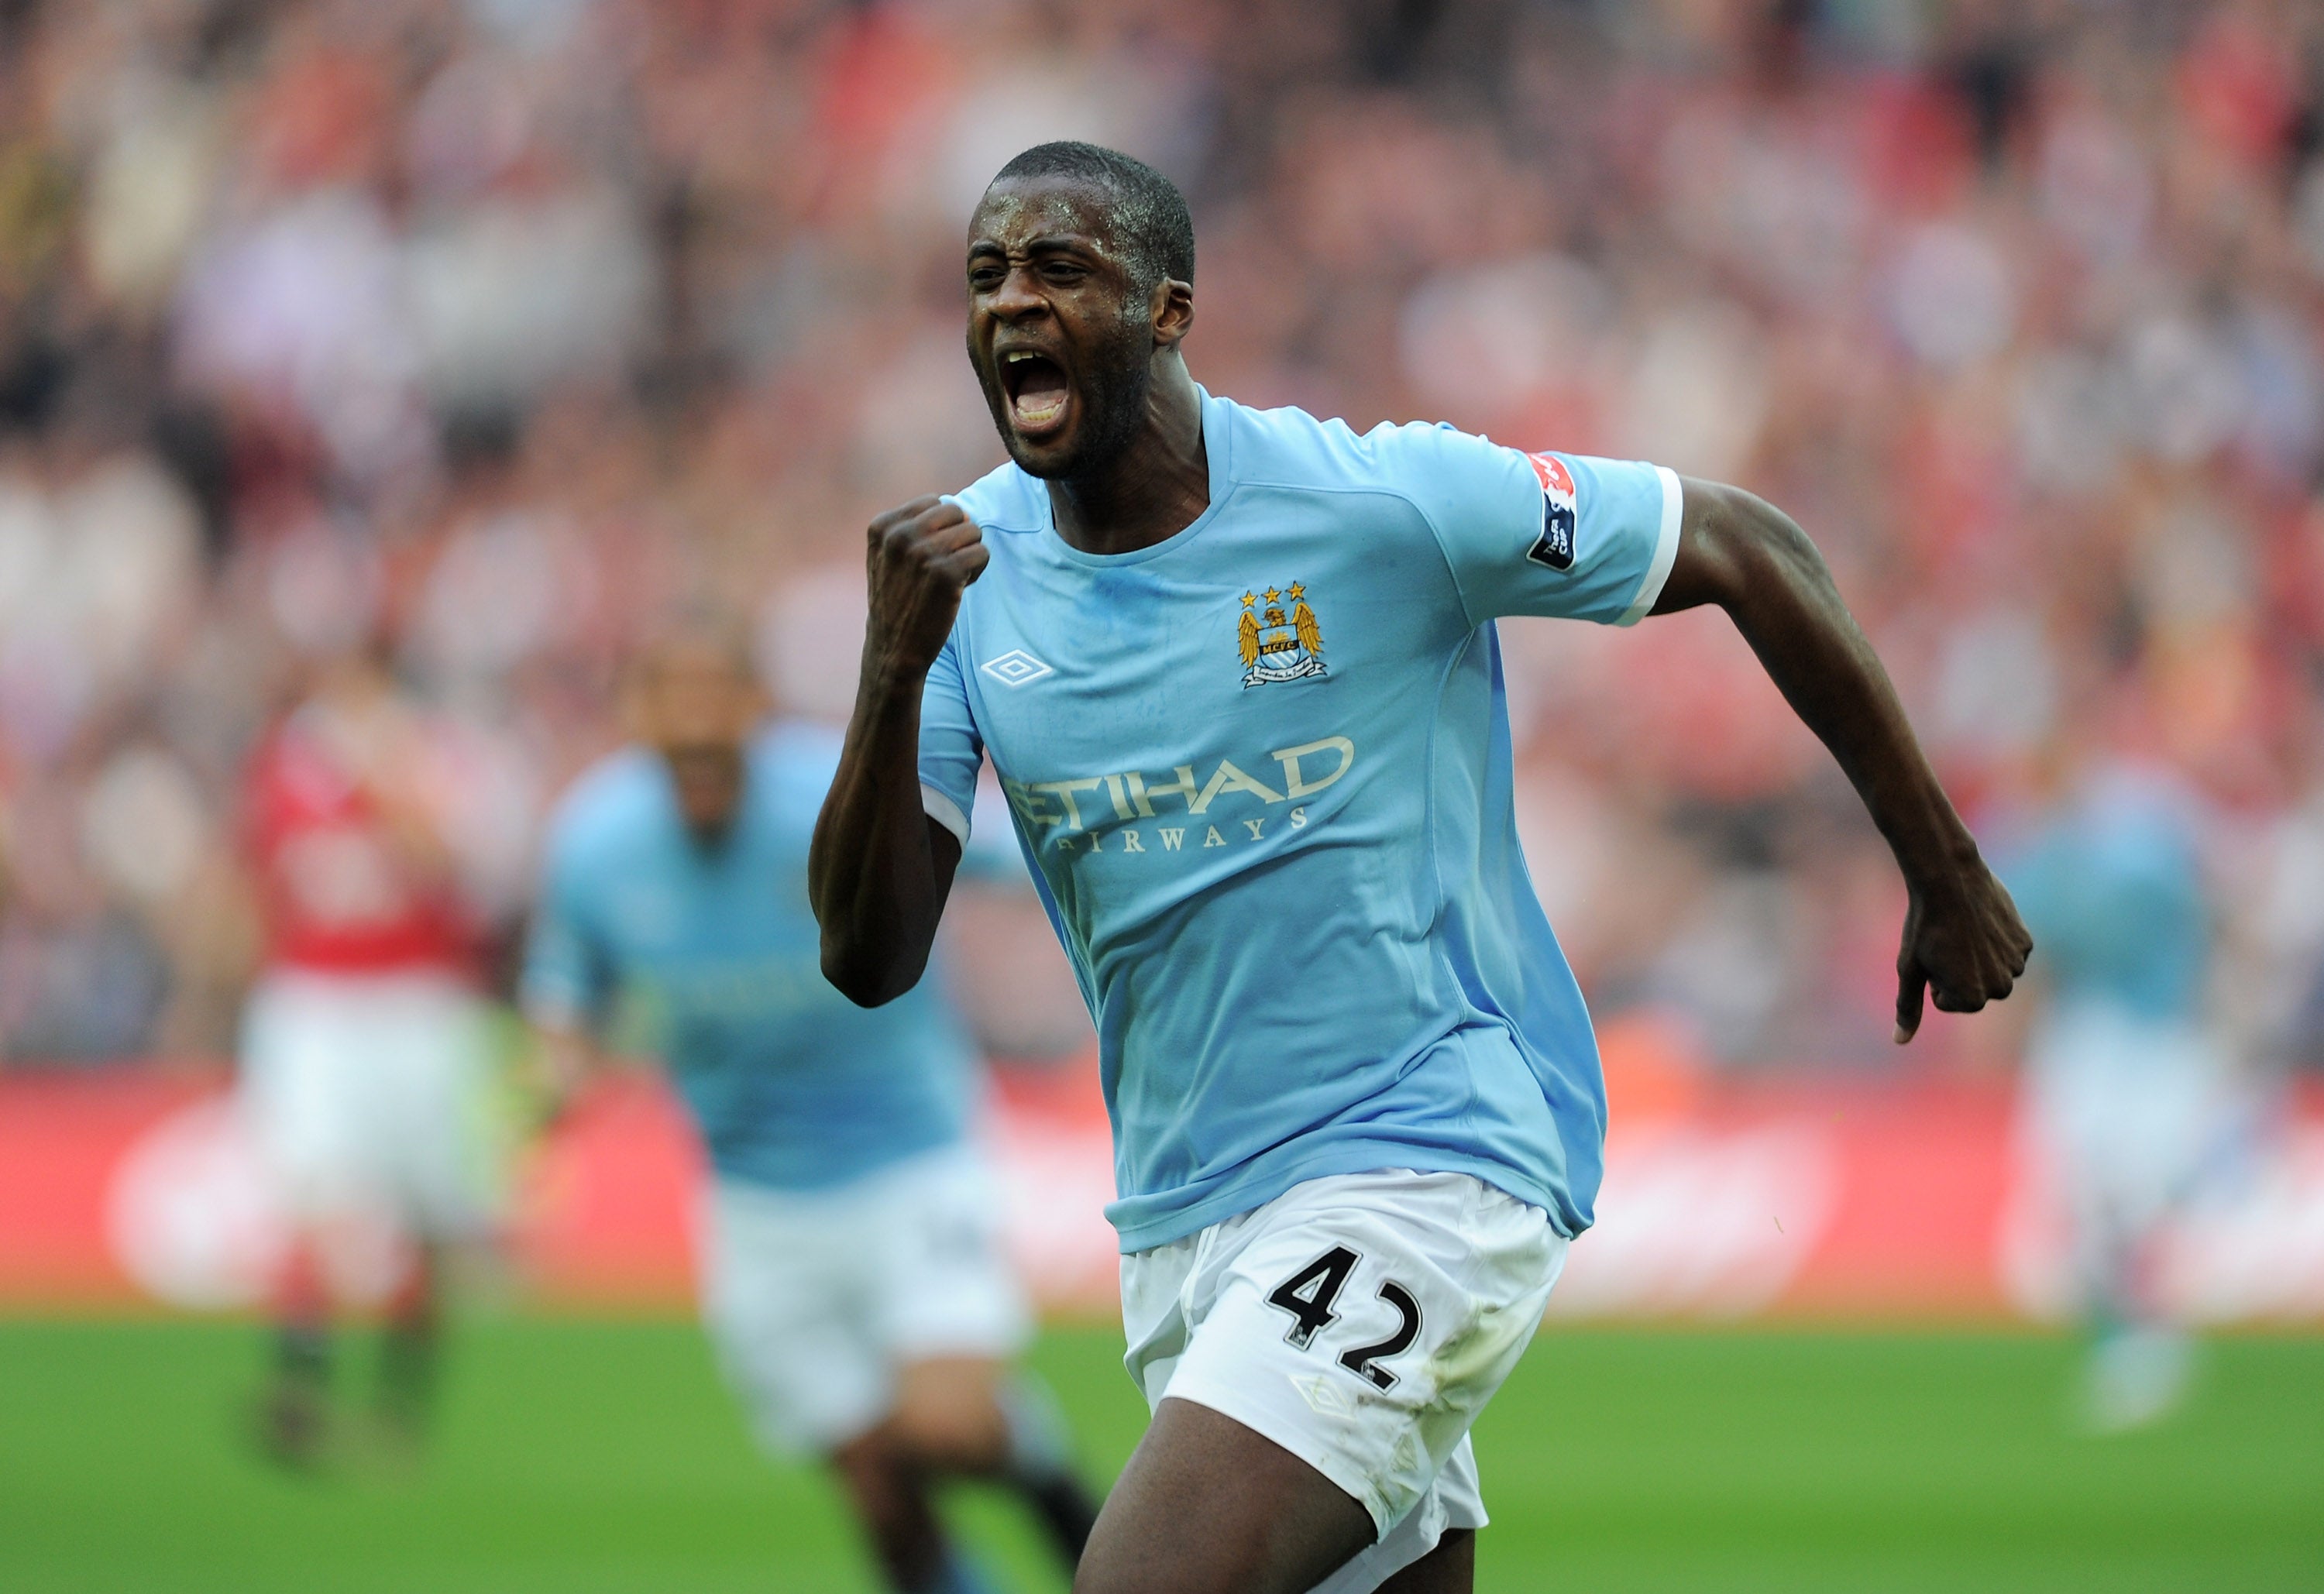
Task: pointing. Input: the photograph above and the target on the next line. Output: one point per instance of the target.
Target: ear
(1174, 312)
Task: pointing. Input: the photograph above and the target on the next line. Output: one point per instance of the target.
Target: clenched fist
(919, 559)
(1964, 945)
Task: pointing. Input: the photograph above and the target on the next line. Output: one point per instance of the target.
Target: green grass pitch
(588, 1456)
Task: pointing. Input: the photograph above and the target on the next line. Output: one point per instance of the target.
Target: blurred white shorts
(1361, 1321)
(814, 1298)
(2123, 1110)
(370, 1095)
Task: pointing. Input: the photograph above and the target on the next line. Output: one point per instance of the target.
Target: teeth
(1016, 354)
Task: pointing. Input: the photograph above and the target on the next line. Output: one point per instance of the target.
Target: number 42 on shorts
(1309, 1295)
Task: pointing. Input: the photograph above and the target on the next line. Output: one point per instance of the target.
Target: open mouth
(1037, 389)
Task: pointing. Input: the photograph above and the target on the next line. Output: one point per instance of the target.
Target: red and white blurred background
(493, 327)
(1899, 1201)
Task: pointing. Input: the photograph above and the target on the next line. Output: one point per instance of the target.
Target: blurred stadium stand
(492, 329)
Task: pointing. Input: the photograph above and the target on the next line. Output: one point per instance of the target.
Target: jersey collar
(1218, 435)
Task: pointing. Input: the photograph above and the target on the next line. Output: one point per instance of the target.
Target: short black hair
(1149, 216)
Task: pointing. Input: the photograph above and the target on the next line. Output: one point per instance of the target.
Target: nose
(1018, 297)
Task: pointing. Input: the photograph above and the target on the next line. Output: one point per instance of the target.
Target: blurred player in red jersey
(364, 1055)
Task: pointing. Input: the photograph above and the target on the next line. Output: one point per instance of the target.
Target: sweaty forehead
(1016, 210)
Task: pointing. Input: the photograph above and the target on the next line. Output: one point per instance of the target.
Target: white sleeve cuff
(1658, 568)
(945, 811)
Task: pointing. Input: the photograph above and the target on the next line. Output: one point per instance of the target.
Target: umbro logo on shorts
(1016, 668)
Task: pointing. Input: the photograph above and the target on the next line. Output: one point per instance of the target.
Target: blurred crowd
(483, 331)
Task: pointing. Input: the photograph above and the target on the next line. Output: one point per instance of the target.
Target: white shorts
(2123, 1110)
(1361, 1321)
(370, 1094)
(813, 1298)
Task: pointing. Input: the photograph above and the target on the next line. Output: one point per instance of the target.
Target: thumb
(1911, 988)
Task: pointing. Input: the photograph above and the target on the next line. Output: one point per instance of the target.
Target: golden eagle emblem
(1279, 644)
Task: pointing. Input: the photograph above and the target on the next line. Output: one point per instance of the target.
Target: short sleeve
(951, 752)
(568, 973)
(1563, 535)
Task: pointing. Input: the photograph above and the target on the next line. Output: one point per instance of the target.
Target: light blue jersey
(1262, 772)
(792, 1085)
(2111, 886)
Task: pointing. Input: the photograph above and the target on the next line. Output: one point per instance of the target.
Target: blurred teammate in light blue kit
(2125, 1087)
(853, 1276)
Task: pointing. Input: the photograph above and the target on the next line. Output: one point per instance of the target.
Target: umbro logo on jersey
(1555, 547)
(1016, 668)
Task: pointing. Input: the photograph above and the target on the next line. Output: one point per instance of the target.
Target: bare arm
(880, 868)
(1963, 940)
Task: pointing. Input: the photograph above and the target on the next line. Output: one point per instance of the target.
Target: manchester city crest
(1280, 643)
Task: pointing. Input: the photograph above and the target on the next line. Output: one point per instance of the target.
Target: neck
(1154, 487)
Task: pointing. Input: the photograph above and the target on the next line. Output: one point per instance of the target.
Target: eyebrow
(1046, 244)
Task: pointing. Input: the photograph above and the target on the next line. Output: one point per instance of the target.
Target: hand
(1963, 942)
(921, 558)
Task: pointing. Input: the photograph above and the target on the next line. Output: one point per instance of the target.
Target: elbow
(1773, 537)
(857, 978)
(863, 976)
(1756, 549)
